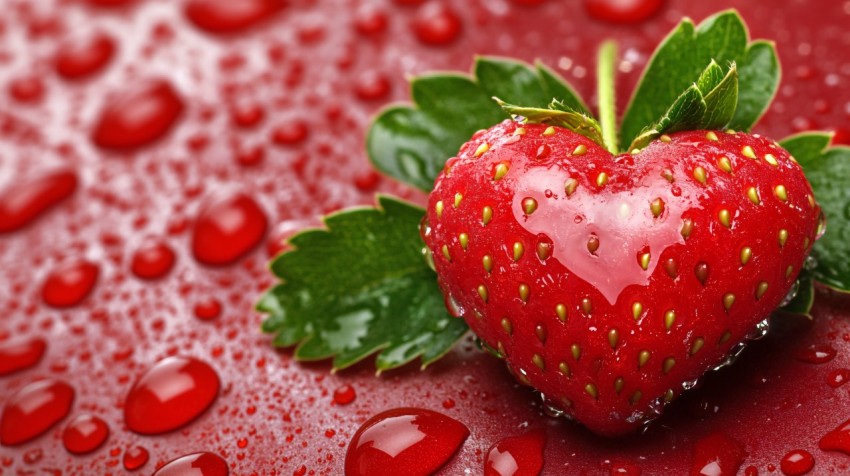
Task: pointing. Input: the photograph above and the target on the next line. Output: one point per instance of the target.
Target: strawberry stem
(605, 90)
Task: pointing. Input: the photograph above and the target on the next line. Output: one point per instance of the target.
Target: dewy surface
(267, 111)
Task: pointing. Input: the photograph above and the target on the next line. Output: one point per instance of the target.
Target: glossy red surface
(33, 410)
(197, 464)
(301, 65)
(84, 434)
(516, 456)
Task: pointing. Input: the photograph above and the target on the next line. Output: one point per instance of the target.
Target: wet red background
(268, 112)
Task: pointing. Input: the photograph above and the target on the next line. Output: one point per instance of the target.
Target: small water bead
(153, 260)
(436, 24)
(407, 441)
(228, 16)
(196, 464)
(228, 229)
(26, 89)
(797, 463)
(516, 456)
(33, 410)
(84, 434)
(140, 115)
(838, 377)
(370, 20)
(816, 354)
(26, 200)
(289, 133)
(344, 395)
(717, 454)
(622, 11)
(207, 309)
(81, 57)
(20, 354)
(69, 283)
(372, 85)
(135, 457)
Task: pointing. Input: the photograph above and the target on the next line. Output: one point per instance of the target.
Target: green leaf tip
(556, 114)
(360, 287)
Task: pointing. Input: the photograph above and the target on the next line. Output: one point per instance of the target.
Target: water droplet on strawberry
(344, 395)
(436, 24)
(836, 378)
(404, 441)
(717, 454)
(140, 115)
(135, 457)
(23, 202)
(169, 395)
(20, 354)
(797, 463)
(70, 283)
(816, 354)
(228, 16)
(516, 456)
(154, 259)
(228, 229)
(82, 57)
(33, 410)
(622, 11)
(196, 464)
(84, 434)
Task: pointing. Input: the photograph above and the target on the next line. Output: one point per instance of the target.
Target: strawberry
(612, 283)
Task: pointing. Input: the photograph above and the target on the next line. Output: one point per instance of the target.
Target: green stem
(605, 83)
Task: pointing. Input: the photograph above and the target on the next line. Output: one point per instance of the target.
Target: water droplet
(404, 441)
(344, 395)
(622, 11)
(152, 260)
(247, 115)
(84, 56)
(33, 410)
(717, 454)
(26, 89)
(228, 229)
(24, 201)
(207, 309)
(816, 354)
(797, 463)
(837, 439)
(135, 457)
(436, 24)
(371, 85)
(70, 283)
(516, 456)
(169, 395)
(138, 116)
(20, 354)
(289, 133)
(838, 377)
(228, 16)
(370, 20)
(84, 434)
(196, 464)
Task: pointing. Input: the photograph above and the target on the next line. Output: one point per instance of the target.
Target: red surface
(84, 434)
(33, 410)
(516, 456)
(273, 415)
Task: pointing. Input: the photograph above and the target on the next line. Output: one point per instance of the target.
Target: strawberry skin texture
(608, 282)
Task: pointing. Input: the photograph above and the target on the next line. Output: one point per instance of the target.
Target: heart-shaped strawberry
(611, 284)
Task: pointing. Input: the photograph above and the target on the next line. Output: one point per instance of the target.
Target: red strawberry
(608, 283)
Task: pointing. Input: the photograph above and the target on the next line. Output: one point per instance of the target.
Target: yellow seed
(541, 332)
(619, 382)
(669, 319)
(592, 244)
(697, 345)
(523, 292)
(730, 131)
(728, 300)
(482, 292)
(564, 369)
(576, 351)
(570, 186)
(665, 138)
(601, 179)
(613, 338)
(668, 364)
(771, 159)
(591, 390)
(518, 250)
(753, 194)
(657, 207)
(700, 175)
(746, 255)
(519, 131)
(463, 239)
(761, 289)
(780, 192)
(484, 147)
(580, 149)
(446, 253)
(538, 361)
(811, 200)
(487, 261)
(458, 199)
(725, 218)
(748, 152)
(788, 271)
(637, 310)
(725, 337)
(529, 205)
(586, 305)
(507, 326)
(783, 237)
(668, 395)
(438, 209)
(635, 151)
(500, 171)
(486, 215)
(711, 136)
(724, 164)
(806, 243)
(544, 250)
(561, 311)
(636, 397)
(550, 131)
(643, 358)
(687, 227)
(644, 261)
(668, 175)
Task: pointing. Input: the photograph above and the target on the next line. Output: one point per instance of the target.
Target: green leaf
(828, 170)
(682, 57)
(359, 287)
(804, 298)
(412, 143)
(558, 114)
